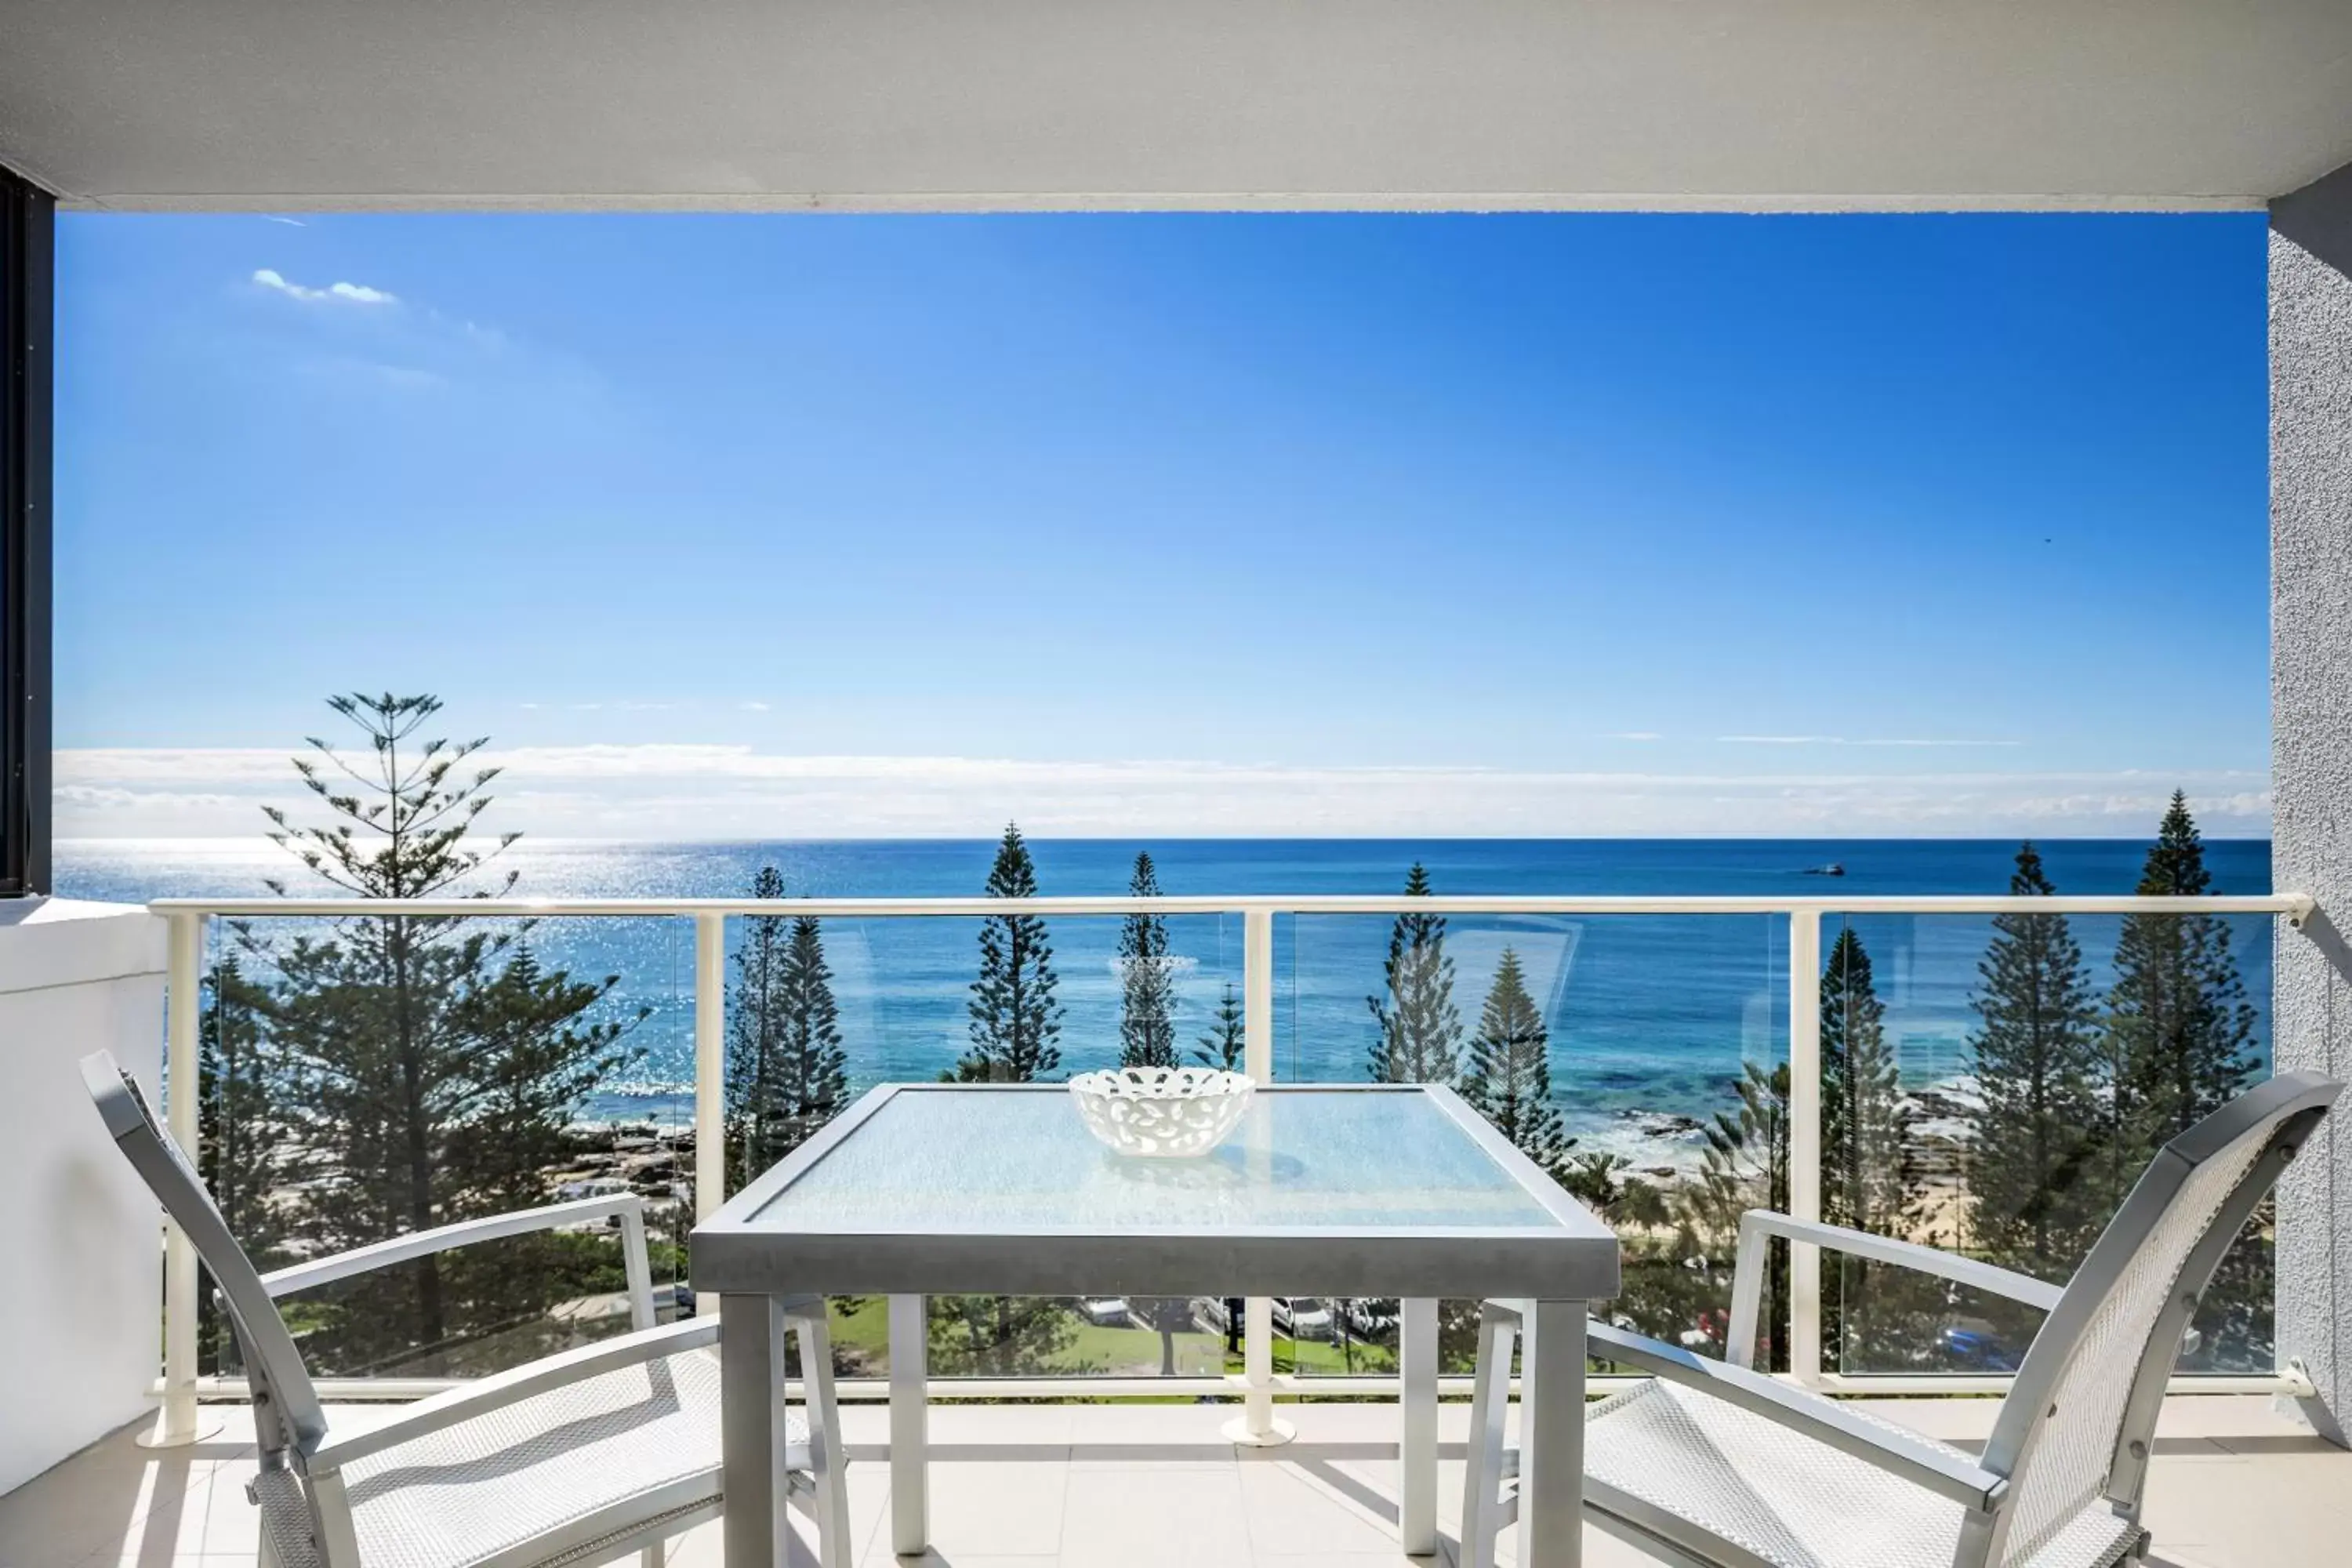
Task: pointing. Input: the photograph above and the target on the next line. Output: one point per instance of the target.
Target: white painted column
(1258, 1426)
(709, 1064)
(1804, 1140)
(182, 1020)
(2310, 765)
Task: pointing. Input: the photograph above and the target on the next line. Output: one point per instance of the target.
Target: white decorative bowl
(1160, 1112)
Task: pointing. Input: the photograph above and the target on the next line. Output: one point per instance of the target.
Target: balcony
(1054, 1453)
(1053, 1457)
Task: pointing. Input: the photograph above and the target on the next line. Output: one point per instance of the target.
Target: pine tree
(816, 1063)
(1420, 1032)
(1865, 1167)
(2178, 1019)
(1015, 1023)
(1013, 1026)
(244, 1130)
(787, 1070)
(755, 1023)
(999, 1336)
(539, 1057)
(2036, 1057)
(1167, 1316)
(1508, 1079)
(1871, 1178)
(1147, 1016)
(1226, 1044)
(434, 1060)
(1745, 1166)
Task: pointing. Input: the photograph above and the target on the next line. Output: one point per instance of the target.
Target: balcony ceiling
(1739, 104)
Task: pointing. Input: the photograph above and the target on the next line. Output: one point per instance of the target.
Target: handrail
(187, 918)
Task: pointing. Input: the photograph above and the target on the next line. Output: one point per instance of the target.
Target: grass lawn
(864, 1337)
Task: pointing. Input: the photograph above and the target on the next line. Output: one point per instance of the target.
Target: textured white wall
(81, 1272)
(2311, 709)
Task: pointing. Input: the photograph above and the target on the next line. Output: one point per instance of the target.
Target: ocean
(1651, 1016)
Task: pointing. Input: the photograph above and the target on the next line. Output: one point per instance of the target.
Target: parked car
(1209, 1312)
(1302, 1317)
(1105, 1311)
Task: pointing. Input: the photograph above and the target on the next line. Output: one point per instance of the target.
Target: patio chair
(1716, 1463)
(582, 1457)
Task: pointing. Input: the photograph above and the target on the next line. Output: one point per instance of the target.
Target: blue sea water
(1651, 1016)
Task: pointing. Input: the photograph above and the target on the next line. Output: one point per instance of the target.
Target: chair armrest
(1758, 1227)
(1914, 1459)
(627, 1207)
(485, 1394)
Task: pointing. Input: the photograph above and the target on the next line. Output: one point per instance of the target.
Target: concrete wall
(81, 1268)
(2311, 757)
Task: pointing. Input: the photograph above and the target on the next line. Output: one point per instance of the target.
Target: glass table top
(985, 1160)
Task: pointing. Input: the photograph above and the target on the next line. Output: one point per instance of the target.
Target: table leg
(752, 1431)
(910, 1495)
(1551, 1449)
(1417, 1411)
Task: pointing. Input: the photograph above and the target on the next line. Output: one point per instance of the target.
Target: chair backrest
(285, 1406)
(2077, 1424)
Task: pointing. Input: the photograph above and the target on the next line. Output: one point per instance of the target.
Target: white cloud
(1842, 741)
(753, 707)
(694, 791)
(1633, 735)
(354, 293)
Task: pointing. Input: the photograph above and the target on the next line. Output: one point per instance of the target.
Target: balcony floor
(2234, 1486)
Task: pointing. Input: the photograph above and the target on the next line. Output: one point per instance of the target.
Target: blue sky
(1943, 524)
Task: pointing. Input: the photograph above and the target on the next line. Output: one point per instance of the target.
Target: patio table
(1324, 1190)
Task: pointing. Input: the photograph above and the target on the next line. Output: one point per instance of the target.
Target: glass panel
(1662, 1042)
(1997, 1085)
(901, 991)
(366, 1078)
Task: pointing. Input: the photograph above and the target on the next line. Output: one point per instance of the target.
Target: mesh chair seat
(463, 1494)
(1790, 1500)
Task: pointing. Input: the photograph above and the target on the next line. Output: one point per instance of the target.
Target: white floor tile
(1152, 1518)
(1034, 1486)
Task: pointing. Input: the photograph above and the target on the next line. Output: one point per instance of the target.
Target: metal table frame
(1556, 1268)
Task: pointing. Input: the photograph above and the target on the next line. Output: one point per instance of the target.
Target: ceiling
(778, 104)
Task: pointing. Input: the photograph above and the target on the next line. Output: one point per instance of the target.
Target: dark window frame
(27, 392)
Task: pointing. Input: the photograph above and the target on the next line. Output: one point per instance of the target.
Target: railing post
(1257, 1426)
(709, 1064)
(1257, 995)
(183, 1102)
(1805, 1140)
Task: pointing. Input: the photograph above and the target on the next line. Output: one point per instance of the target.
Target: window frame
(27, 394)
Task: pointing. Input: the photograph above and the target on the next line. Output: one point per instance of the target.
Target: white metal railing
(1258, 1383)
